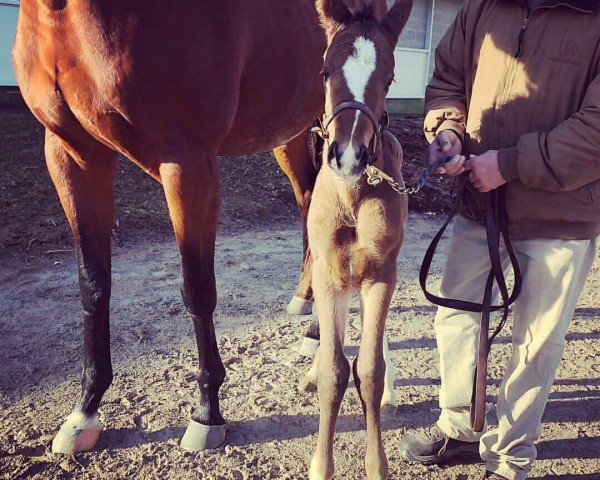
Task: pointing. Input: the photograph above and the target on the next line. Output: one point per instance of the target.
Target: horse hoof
(308, 347)
(307, 385)
(320, 471)
(300, 306)
(389, 401)
(200, 437)
(78, 434)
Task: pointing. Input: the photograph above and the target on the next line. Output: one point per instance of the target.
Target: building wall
(445, 12)
(415, 33)
(9, 12)
(415, 52)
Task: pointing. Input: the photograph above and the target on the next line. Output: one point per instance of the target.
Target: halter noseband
(379, 125)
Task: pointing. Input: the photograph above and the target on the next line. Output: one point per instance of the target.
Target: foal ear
(333, 14)
(395, 20)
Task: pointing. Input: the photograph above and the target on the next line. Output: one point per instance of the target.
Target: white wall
(415, 51)
(9, 11)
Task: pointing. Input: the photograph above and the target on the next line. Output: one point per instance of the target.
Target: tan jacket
(527, 84)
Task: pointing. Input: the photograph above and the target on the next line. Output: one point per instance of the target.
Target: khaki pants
(554, 272)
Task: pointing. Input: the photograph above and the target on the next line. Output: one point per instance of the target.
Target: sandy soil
(272, 426)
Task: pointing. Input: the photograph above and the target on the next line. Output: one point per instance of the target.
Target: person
(523, 81)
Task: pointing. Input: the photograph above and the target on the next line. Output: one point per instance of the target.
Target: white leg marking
(389, 393)
(300, 306)
(79, 433)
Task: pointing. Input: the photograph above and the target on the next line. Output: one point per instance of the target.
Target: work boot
(434, 446)
(493, 476)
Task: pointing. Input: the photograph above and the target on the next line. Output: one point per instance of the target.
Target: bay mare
(170, 86)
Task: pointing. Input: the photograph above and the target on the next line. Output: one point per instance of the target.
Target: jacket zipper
(522, 35)
(528, 17)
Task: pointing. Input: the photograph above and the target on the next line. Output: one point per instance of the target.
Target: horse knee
(370, 375)
(334, 378)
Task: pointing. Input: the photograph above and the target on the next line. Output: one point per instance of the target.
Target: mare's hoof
(308, 347)
(78, 434)
(307, 385)
(300, 306)
(198, 437)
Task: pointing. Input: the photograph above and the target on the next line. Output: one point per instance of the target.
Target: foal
(355, 230)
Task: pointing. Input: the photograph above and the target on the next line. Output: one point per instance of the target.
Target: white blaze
(357, 71)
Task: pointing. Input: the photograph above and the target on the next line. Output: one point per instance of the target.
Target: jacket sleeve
(445, 96)
(564, 159)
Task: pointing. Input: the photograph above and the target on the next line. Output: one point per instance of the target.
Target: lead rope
(375, 176)
(496, 227)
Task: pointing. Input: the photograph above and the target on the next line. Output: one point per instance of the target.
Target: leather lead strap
(496, 227)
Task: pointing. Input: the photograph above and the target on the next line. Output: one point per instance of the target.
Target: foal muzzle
(368, 154)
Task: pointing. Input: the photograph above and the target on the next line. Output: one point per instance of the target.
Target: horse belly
(281, 90)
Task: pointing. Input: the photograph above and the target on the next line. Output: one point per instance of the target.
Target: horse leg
(369, 366)
(83, 174)
(333, 370)
(389, 397)
(191, 187)
(296, 161)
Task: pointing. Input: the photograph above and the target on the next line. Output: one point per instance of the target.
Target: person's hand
(447, 144)
(485, 174)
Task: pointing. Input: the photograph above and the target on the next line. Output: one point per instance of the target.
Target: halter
(379, 125)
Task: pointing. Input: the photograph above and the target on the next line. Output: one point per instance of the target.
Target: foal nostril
(334, 152)
(363, 155)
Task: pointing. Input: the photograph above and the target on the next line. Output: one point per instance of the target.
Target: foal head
(358, 68)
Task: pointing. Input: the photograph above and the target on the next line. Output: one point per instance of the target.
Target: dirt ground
(272, 427)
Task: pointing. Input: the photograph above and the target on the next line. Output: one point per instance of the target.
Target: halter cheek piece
(379, 125)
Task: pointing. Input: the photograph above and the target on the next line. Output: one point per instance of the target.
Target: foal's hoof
(307, 385)
(198, 437)
(308, 347)
(300, 306)
(389, 400)
(78, 434)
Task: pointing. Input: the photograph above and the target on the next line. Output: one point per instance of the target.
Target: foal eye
(325, 75)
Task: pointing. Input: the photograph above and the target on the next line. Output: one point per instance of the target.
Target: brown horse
(170, 86)
(355, 230)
